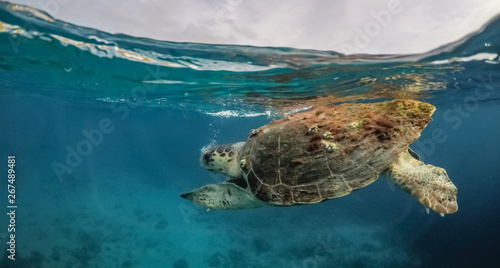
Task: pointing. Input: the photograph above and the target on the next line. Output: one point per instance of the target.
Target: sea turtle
(324, 153)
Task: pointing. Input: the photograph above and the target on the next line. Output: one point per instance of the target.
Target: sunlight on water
(203, 76)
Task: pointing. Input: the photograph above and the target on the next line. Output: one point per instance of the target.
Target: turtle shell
(328, 152)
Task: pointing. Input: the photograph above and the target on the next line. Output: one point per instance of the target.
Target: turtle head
(222, 159)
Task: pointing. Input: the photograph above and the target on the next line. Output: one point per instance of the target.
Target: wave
(49, 58)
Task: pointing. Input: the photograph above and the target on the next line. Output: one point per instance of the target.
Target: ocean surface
(106, 130)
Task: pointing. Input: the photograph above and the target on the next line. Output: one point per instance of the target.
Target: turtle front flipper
(223, 196)
(430, 185)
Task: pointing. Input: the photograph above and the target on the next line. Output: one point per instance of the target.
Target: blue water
(107, 131)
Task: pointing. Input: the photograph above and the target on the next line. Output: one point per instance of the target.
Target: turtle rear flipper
(223, 196)
(430, 185)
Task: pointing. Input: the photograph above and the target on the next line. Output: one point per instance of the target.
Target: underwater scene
(102, 133)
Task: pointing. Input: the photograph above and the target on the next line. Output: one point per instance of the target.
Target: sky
(375, 27)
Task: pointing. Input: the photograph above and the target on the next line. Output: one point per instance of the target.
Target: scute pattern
(328, 152)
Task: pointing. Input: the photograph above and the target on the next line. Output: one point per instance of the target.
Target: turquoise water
(107, 131)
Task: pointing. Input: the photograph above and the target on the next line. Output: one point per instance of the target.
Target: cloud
(315, 24)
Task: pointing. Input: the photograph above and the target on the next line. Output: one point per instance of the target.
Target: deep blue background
(131, 181)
